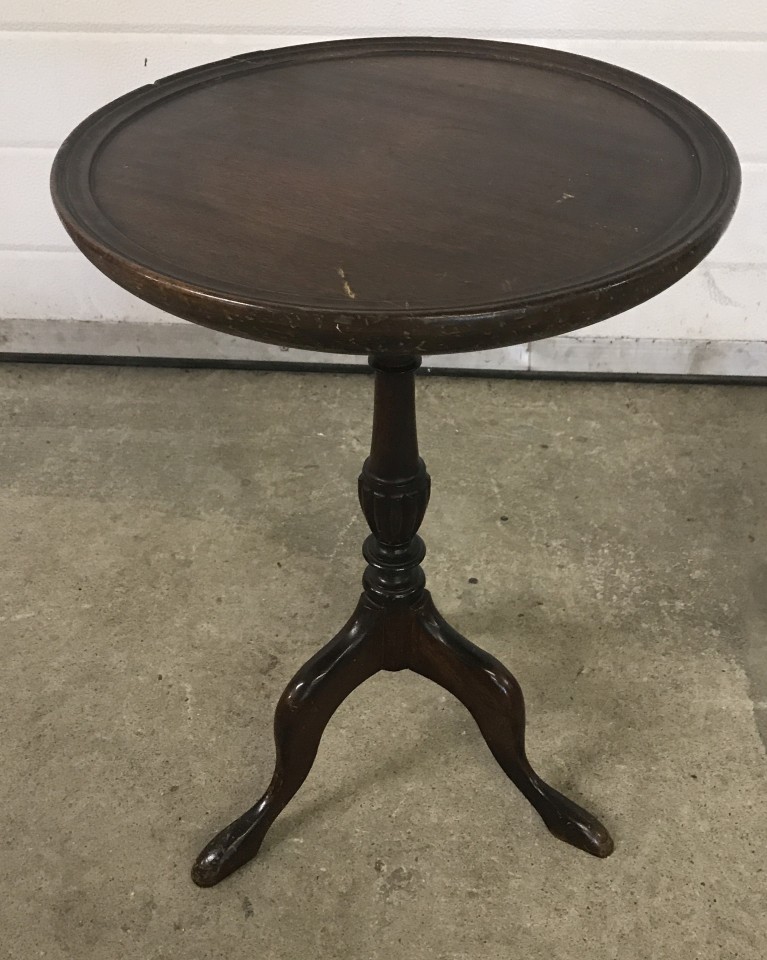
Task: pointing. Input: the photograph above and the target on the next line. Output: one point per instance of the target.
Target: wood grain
(400, 196)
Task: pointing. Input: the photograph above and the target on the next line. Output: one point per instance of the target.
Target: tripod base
(393, 636)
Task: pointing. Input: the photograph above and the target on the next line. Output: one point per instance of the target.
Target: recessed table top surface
(407, 195)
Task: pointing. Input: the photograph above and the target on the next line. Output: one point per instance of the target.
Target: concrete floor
(176, 543)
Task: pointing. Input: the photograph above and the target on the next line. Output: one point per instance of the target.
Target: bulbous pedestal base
(395, 627)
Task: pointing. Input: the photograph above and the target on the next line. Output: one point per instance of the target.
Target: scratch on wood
(347, 289)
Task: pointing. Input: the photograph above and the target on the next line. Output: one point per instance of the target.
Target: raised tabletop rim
(484, 323)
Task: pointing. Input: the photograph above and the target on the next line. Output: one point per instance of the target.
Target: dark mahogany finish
(397, 197)
(395, 627)
(407, 196)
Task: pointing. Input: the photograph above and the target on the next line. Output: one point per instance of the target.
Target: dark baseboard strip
(425, 370)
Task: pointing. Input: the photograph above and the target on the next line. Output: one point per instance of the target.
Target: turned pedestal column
(395, 627)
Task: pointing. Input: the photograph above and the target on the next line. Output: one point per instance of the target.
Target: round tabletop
(404, 196)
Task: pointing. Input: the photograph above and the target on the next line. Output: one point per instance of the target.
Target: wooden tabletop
(397, 195)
